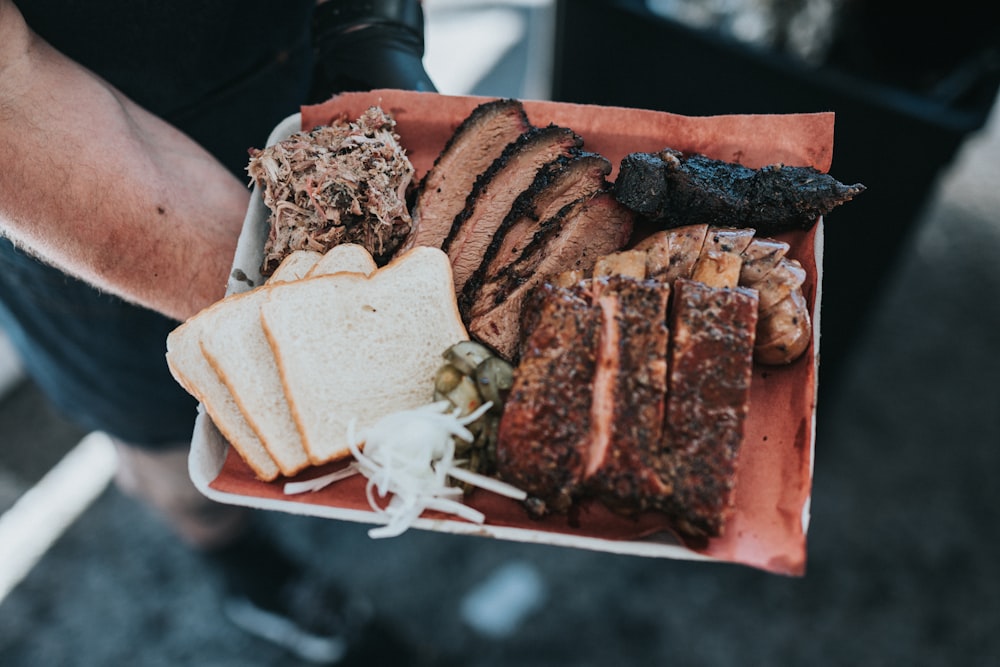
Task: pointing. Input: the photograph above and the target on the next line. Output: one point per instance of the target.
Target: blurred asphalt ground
(903, 547)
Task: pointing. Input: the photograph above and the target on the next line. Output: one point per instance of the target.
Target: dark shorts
(99, 359)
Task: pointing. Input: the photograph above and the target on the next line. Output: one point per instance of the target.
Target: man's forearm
(104, 190)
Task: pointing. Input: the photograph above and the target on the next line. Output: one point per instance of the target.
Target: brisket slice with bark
(572, 239)
(472, 148)
(707, 401)
(557, 184)
(495, 191)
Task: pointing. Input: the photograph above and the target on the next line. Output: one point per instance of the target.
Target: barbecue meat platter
(643, 288)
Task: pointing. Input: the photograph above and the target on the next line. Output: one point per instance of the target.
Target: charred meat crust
(544, 435)
(478, 140)
(711, 359)
(560, 182)
(494, 192)
(675, 189)
(596, 412)
(626, 469)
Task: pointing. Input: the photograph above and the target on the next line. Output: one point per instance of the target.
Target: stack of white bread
(284, 368)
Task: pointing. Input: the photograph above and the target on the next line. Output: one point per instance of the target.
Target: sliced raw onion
(407, 457)
(486, 483)
(317, 483)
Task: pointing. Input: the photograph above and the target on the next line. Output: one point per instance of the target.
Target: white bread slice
(344, 257)
(349, 347)
(237, 349)
(296, 265)
(191, 369)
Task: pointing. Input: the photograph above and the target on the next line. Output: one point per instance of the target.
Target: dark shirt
(171, 55)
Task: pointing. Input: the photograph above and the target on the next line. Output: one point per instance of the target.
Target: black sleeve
(366, 44)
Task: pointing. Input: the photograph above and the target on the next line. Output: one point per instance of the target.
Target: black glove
(367, 44)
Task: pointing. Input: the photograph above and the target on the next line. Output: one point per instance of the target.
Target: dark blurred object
(948, 54)
(908, 85)
(368, 44)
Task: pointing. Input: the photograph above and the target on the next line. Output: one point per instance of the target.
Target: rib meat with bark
(675, 189)
(494, 193)
(585, 414)
(707, 402)
(642, 436)
(471, 149)
(340, 183)
(625, 468)
(544, 437)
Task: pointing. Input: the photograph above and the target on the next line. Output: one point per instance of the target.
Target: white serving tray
(210, 451)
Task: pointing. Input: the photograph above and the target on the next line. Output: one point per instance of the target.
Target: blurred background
(904, 536)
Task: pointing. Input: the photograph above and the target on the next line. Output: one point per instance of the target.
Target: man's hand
(104, 190)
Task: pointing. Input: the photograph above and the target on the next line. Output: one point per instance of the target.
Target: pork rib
(586, 414)
(596, 412)
(711, 359)
(545, 433)
(625, 467)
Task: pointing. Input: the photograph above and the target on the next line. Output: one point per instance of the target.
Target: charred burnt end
(674, 189)
(796, 193)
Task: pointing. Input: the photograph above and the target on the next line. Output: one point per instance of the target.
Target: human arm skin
(104, 190)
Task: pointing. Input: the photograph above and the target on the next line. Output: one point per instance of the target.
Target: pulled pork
(339, 183)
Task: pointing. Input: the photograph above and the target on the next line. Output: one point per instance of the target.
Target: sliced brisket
(572, 239)
(476, 143)
(557, 184)
(494, 193)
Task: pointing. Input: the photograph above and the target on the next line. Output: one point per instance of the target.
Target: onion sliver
(487, 483)
(408, 456)
(317, 483)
